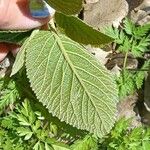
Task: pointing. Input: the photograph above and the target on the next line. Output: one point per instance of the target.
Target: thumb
(15, 15)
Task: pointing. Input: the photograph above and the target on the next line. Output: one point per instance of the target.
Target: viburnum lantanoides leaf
(68, 7)
(72, 85)
(80, 32)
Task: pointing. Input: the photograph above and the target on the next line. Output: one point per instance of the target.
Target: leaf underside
(71, 83)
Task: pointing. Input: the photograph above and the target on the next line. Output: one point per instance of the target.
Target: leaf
(88, 143)
(23, 120)
(80, 32)
(60, 147)
(72, 85)
(140, 75)
(17, 37)
(114, 33)
(139, 48)
(7, 123)
(141, 30)
(36, 146)
(8, 93)
(68, 7)
(20, 58)
(28, 136)
(47, 147)
(128, 26)
(126, 84)
(145, 145)
(24, 132)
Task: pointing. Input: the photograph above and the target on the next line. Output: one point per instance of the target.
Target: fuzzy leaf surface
(72, 85)
(80, 32)
(66, 6)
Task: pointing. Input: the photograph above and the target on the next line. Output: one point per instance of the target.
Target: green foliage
(80, 32)
(28, 128)
(123, 137)
(133, 40)
(74, 91)
(126, 84)
(71, 84)
(130, 81)
(88, 143)
(68, 7)
(8, 93)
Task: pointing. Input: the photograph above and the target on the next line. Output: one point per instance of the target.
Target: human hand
(15, 15)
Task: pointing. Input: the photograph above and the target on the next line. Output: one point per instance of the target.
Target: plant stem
(125, 61)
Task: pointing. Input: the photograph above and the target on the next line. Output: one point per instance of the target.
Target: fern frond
(126, 46)
(140, 75)
(112, 32)
(141, 31)
(8, 94)
(129, 27)
(88, 143)
(126, 84)
(139, 48)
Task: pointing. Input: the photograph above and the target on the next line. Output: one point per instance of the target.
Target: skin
(15, 15)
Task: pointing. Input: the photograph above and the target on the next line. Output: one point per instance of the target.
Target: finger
(4, 49)
(14, 49)
(15, 15)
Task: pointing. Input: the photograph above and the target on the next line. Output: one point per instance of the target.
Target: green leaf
(139, 48)
(36, 146)
(80, 32)
(60, 147)
(7, 123)
(88, 143)
(66, 6)
(146, 145)
(20, 58)
(8, 93)
(28, 136)
(24, 132)
(128, 26)
(140, 75)
(17, 37)
(71, 83)
(23, 120)
(126, 83)
(141, 30)
(48, 147)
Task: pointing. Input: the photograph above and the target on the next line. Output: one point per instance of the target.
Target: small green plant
(70, 83)
(134, 40)
(25, 128)
(58, 96)
(123, 137)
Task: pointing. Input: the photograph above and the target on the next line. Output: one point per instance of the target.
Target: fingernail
(40, 9)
